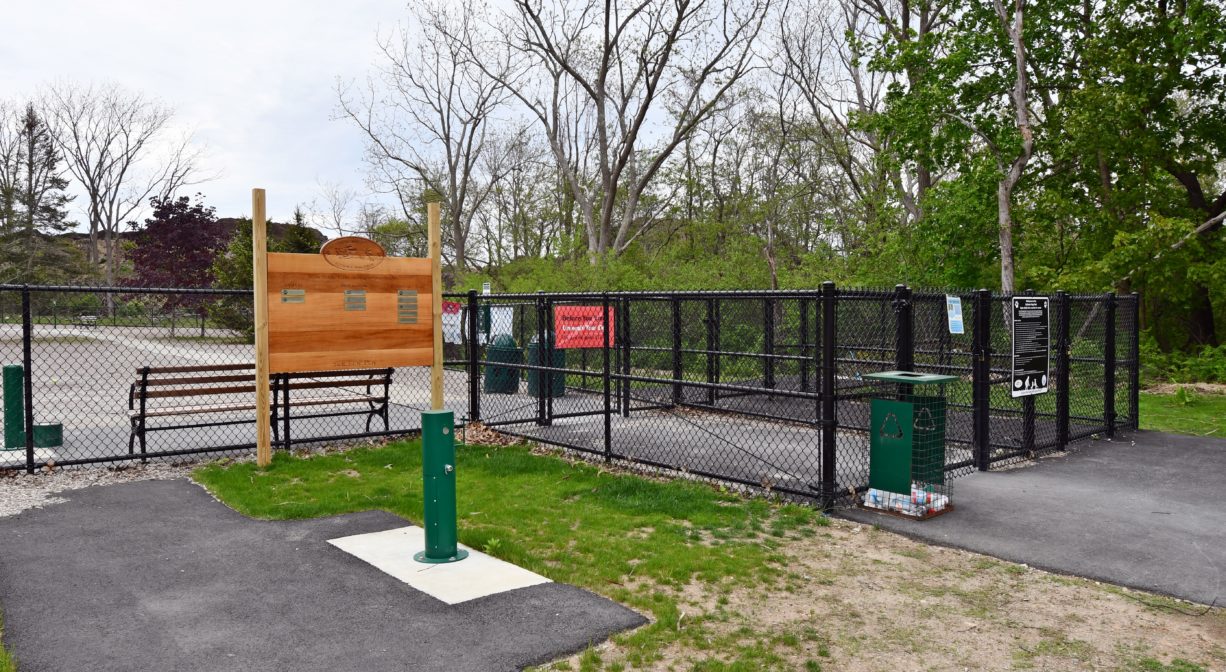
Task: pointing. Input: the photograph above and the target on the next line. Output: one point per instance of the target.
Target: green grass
(1177, 665)
(7, 662)
(1054, 645)
(629, 538)
(1187, 413)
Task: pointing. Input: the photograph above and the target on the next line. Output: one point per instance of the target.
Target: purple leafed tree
(176, 247)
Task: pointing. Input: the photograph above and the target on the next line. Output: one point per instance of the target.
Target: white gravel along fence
(20, 491)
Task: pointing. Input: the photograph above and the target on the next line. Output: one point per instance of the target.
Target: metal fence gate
(762, 389)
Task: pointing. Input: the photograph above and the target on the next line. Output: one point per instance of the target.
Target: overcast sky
(255, 79)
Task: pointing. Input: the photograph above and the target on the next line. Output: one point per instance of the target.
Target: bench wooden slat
(163, 411)
(240, 389)
(201, 368)
(295, 384)
(199, 391)
(192, 410)
(199, 380)
(243, 389)
(208, 368)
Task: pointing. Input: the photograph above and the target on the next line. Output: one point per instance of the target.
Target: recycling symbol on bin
(890, 427)
(923, 414)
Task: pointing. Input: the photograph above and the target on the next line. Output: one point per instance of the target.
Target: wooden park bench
(192, 392)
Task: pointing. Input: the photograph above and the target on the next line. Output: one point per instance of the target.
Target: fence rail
(760, 388)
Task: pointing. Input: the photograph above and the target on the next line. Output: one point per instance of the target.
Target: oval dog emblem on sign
(352, 253)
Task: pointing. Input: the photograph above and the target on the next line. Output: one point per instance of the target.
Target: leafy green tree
(1134, 179)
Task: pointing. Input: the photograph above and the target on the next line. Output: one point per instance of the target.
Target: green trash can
(502, 379)
(557, 360)
(907, 444)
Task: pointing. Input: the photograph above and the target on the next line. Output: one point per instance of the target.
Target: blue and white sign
(953, 309)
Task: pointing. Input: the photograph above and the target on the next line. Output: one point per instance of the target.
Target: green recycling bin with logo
(907, 444)
(502, 379)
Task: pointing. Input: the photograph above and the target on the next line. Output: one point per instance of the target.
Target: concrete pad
(478, 575)
(1143, 511)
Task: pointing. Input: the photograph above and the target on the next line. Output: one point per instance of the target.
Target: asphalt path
(1144, 510)
(157, 575)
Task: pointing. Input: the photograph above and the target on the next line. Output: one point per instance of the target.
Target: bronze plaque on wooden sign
(346, 308)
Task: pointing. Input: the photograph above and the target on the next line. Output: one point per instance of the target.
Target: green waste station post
(438, 480)
(14, 407)
(46, 434)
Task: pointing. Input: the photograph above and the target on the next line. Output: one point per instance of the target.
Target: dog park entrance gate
(761, 389)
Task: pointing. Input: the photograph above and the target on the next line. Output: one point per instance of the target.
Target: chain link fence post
(1028, 407)
(1134, 372)
(27, 358)
(543, 392)
(712, 324)
(768, 343)
(827, 418)
(1063, 317)
(1109, 366)
(981, 372)
(608, 383)
(904, 322)
(547, 360)
(474, 359)
(675, 306)
(805, 353)
(624, 325)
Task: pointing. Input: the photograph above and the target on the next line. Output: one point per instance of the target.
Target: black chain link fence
(158, 373)
(761, 389)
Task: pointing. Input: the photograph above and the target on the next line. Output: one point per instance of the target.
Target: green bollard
(438, 480)
(14, 407)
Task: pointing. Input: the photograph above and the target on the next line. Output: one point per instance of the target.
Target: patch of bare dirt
(859, 599)
(1199, 388)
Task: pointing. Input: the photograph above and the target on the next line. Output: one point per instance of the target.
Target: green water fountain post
(438, 481)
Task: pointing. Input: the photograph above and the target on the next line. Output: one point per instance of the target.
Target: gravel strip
(20, 491)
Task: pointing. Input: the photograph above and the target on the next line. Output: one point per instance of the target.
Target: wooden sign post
(349, 308)
(259, 271)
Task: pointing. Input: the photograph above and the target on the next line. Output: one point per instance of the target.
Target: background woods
(694, 144)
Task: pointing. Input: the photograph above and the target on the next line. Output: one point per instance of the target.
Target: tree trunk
(1005, 223)
(458, 241)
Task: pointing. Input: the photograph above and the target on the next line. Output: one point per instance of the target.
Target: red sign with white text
(580, 327)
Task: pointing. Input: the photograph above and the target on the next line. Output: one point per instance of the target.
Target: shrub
(1205, 365)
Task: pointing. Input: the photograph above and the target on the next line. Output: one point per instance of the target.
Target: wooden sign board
(349, 307)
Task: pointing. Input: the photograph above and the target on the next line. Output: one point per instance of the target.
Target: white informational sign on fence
(953, 310)
(1031, 346)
